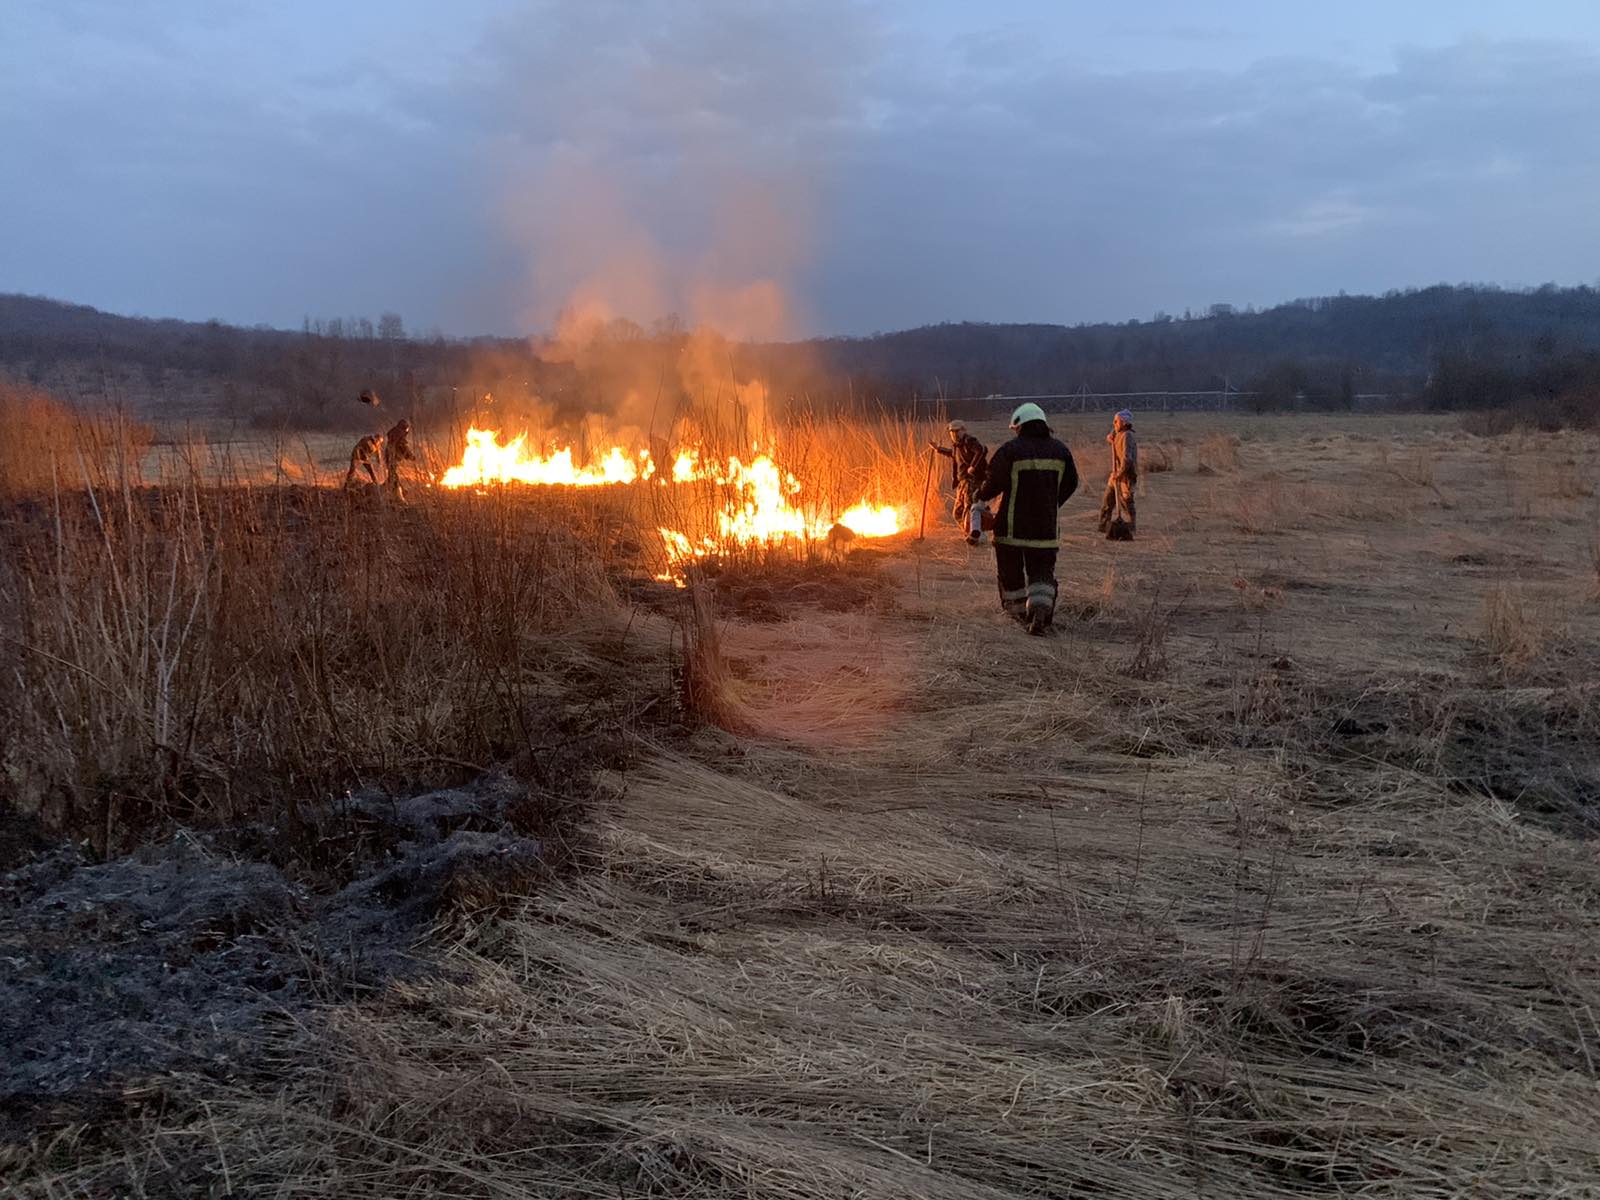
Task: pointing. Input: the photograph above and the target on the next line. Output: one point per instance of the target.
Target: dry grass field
(1273, 872)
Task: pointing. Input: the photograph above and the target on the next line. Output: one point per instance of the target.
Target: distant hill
(1386, 343)
(170, 369)
(1327, 348)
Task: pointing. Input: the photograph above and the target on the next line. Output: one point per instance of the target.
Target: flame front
(486, 461)
(756, 503)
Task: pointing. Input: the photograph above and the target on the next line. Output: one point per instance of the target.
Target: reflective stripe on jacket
(1032, 474)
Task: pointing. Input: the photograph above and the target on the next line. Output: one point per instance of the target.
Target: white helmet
(956, 427)
(1026, 413)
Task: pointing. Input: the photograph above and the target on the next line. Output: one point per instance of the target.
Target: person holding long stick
(969, 464)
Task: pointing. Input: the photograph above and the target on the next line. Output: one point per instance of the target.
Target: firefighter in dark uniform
(969, 464)
(1031, 475)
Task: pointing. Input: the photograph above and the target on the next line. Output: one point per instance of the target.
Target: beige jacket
(1124, 454)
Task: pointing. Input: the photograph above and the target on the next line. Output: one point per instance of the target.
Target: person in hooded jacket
(1124, 475)
(1031, 476)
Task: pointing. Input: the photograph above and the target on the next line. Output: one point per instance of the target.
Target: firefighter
(969, 464)
(1031, 475)
(1124, 472)
(368, 450)
(397, 449)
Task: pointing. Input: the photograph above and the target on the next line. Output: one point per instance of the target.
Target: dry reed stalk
(707, 687)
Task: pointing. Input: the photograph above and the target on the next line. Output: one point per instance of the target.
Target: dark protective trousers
(1027, 581)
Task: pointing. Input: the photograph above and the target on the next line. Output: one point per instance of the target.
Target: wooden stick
(922, 527)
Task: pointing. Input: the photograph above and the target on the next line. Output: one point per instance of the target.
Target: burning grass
(714, 495)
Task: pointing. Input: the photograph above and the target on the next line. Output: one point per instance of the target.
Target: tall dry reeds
(216, 648)
(194, 652)
(46, 440)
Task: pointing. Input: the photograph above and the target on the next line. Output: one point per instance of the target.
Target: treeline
(1545, 387)
(306, 379)
(1330, 349)
(1449, 347)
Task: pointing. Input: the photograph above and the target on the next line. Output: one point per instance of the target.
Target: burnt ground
(174, 959)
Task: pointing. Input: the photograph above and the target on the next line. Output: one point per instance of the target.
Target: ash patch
(1536, 749)
(173, 958)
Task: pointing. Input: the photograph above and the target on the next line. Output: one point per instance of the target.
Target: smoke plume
(666, 180)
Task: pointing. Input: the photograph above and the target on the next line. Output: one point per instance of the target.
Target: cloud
(797, 167)
(1324, 217)
(1047, 191)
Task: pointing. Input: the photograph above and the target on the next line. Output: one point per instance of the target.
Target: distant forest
(1533, 352)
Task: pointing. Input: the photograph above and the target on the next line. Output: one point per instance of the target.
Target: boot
(1039, 617)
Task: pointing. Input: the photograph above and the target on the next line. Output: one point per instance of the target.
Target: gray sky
(787, 167)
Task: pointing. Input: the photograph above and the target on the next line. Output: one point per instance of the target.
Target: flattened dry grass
(1101, 934)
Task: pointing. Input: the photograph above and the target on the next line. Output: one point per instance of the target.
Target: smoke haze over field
(786, 168)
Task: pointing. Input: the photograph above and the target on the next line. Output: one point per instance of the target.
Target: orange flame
(759, 505)
(485, 460)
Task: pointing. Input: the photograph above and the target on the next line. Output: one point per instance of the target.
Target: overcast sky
(788, 167)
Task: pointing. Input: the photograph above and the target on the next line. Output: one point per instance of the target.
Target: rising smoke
(667, 180)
